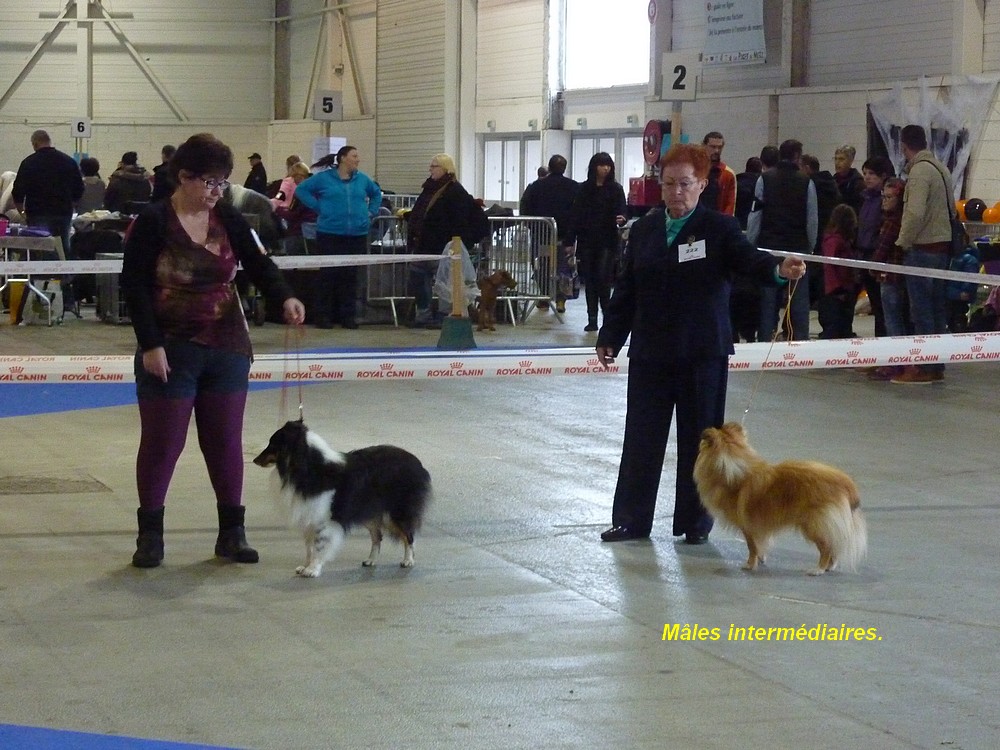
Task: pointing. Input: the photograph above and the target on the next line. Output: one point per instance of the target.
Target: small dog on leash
(327, 492)
(746, 492)
(489, 290)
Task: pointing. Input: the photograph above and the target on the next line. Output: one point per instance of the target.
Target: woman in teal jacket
(345, 199)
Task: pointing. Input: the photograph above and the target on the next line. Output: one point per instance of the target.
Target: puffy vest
(783, 221)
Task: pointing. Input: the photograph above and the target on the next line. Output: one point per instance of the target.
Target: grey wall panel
(410, 72)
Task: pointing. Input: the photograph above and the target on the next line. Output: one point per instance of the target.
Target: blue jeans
(770, 302)
(928, 303)
(59, 226)
(894, 308)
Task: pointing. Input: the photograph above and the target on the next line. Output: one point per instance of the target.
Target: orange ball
(992, 215)
(960, 208)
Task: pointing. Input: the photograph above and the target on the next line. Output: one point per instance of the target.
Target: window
(509, 165)
(607, 44)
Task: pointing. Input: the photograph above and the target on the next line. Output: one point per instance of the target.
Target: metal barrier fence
(526, 247)
(387, 236)
(400, 200)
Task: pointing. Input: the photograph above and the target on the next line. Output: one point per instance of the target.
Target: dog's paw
(749, 565)
(817, 572)
(368, 563)
(308, 571)
(406, 564)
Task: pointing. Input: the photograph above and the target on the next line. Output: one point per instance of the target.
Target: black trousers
(697, 391)
(335, 292)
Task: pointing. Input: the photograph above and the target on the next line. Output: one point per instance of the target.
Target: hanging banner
(734, 32)
(952, 116)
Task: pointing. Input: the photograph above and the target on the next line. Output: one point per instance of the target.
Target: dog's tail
(846, 532)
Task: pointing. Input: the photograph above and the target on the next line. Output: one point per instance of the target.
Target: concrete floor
(517, 628)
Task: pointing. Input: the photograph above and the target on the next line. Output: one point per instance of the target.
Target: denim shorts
(194, 369)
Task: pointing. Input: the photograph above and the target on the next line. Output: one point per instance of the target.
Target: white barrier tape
(79, 267)
(380, 366)
(976, 278)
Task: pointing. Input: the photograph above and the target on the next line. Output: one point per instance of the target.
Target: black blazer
(680, 311)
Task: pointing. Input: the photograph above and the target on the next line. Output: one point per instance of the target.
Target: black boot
(232, 541)
(149, 544)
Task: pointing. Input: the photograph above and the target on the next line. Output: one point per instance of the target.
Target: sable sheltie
(328, 492)
(744, 491)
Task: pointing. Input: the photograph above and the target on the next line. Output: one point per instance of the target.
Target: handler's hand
(792, 268)
(606, 356)
(154, 361)
(294, 311)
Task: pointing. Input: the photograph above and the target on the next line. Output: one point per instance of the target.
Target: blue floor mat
(14, 737)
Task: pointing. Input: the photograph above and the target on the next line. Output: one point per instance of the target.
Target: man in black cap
(257, 179)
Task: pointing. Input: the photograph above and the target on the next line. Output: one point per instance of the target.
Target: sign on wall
(80, 128)
(328, 106)
(681, 71)
(734, 32)
(324, 146)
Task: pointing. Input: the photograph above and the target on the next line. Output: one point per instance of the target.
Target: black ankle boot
(149, 544)
(232, 541)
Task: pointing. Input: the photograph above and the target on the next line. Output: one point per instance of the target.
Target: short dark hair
(790, 150)
(168, 151)
(90, 166)
(200, 154)
(880, 165)
(709, 136)
(769, 156)
(557, 164)
(843, 221)
(914, 137)
(754, 165)
(130, 158)
(810, 161)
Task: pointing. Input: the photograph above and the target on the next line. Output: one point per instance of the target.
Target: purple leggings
(212, 384)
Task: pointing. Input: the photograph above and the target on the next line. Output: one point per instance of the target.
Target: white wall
(217, 63)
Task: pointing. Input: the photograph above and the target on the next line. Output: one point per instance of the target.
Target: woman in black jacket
(194, 352)
(598, 211)
(444, 209)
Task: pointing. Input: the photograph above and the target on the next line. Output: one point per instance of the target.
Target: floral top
(194, 294)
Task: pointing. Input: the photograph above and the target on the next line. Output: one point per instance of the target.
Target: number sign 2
(681, 71)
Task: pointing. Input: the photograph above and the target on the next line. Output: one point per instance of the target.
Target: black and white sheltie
(328, 492)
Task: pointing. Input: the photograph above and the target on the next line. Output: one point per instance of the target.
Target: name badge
(693, 250)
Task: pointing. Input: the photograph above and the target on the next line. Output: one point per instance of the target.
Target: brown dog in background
(489, 290)
(760, 499)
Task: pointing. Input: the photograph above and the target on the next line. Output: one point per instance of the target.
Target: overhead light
(581, 122)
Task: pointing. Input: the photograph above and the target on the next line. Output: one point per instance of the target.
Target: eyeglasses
(684, 185)
(211, 183)
(435, 166)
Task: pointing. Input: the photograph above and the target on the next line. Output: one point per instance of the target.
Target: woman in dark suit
(672, 296)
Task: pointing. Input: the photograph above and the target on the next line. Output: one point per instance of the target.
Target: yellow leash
(786, 315)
